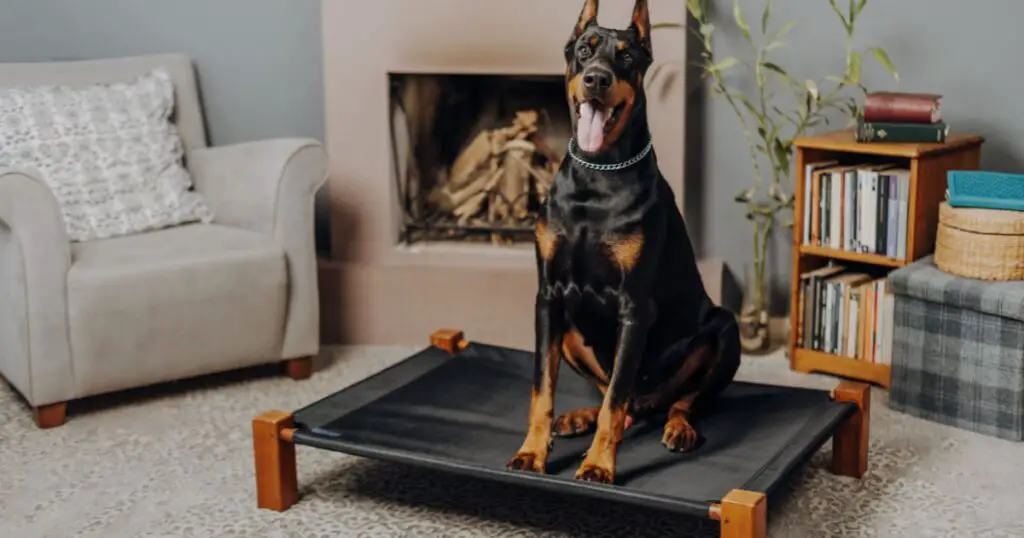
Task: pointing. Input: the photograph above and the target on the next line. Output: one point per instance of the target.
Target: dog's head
(604, 75)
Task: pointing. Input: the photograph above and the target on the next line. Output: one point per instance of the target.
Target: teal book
(874, 131)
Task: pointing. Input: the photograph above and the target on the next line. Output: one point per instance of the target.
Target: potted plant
(770, 124)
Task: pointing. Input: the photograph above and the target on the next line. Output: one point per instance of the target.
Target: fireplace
(475, 154)
(399, 266)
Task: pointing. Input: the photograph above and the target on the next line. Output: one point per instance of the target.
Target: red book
(902, 107)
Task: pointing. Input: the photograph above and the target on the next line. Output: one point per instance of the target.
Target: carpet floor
(176, 461)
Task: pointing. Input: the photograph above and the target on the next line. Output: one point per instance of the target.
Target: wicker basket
(986, 244)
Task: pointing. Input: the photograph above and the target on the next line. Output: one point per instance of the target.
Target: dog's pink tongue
(590, 128)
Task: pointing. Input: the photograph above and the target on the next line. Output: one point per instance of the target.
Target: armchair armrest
(269, 186)
(35, 256)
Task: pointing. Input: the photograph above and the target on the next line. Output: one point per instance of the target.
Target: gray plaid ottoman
(958, 350)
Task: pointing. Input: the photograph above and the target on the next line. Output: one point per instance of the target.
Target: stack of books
(901, 117)
(846, 313)
(857, 207)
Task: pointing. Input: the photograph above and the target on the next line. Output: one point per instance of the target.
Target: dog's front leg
(549, 328)
(634, 322)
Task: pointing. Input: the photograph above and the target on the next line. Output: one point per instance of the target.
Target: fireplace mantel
(375, 290)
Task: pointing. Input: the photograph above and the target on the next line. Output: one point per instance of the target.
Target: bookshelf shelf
(845, 255)
(920, 187)
(809, 360)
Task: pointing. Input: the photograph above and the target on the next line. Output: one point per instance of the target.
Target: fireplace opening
(474, 155)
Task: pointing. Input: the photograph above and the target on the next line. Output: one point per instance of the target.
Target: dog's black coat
(615, 263)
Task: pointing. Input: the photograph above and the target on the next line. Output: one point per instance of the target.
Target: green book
(868, 131)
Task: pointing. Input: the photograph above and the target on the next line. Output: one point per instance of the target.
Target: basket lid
(986, 221)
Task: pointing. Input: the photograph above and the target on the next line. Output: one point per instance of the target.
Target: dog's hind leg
(721, 360)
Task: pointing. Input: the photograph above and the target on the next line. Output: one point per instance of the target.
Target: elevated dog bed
(461, 407)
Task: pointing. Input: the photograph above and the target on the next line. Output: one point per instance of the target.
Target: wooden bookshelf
(928, 164)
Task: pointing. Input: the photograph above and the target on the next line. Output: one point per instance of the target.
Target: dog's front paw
(595, 473)
(527, 461)
(679, 436)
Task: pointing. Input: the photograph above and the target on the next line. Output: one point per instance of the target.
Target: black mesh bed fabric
(466, 413)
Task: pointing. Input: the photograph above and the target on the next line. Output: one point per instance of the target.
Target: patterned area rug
(177, 462)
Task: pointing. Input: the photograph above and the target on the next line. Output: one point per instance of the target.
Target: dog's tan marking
(642, 19)
(533, 454)
(625, 251)
(582, 358)
(621, 46)
(547, 241)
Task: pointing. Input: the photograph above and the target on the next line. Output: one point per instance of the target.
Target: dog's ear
(642, 24)
(588, 16)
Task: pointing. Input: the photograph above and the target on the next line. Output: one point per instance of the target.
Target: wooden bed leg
(850, 441)
(300, 368)
(450, 340)
(743, 514)
(50, 416)
(277, 485)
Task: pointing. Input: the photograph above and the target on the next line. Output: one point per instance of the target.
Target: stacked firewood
(498, 177)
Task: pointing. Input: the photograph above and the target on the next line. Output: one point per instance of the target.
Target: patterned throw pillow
(109, 153)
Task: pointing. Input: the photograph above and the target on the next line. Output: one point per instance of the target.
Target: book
(857, 208)
(846, 313)
(902, 107)
(868, 131)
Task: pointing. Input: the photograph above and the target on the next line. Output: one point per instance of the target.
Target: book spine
(808, 172)
(904, 210)
(891, 216)
(882, 201)
(849, 234)
(900, 132)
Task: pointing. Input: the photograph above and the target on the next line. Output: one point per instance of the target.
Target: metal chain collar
(610, 167)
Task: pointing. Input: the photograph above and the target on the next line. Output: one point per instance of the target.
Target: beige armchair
(84, 318)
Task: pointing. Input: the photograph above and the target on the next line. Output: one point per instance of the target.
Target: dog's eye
(583, 52)
(626, 58)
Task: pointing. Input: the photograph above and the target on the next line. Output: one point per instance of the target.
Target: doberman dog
(620, 298)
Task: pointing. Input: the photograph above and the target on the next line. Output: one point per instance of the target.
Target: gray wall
(260, 67)
(963, 50)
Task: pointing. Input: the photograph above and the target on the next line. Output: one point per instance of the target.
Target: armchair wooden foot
(50, 416)
(300, 368)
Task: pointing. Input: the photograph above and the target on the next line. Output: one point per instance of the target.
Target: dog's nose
(597, 80)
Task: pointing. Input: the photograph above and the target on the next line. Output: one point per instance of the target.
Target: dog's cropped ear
(588, 16)
(642, 24)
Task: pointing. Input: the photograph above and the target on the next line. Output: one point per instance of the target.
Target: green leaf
(737, 13)
(765, 15)
(775, 67)
(706, 29)
(854, 67)
(784, 30)
(724, 64)
(812, 89)
(860, 7)
(883, 58)
(695, 8)
(840, 13)
(781, 155)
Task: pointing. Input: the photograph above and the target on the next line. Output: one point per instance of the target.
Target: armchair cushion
(109, 153)
(169, 304)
